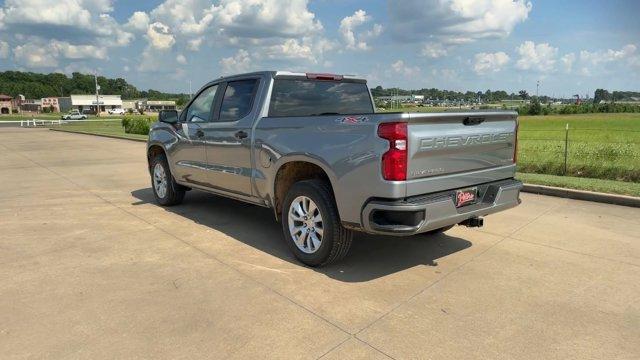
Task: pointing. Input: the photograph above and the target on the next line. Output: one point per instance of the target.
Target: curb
(583, 195)
(102, 135)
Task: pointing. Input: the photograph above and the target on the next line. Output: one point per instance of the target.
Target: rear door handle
(241, 135)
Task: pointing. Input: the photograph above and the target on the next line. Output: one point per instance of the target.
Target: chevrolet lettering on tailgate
(441, 142)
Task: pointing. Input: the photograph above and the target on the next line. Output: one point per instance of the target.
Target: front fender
(164, 138)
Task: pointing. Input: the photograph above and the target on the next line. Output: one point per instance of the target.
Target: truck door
(228, 137)
(189, 156)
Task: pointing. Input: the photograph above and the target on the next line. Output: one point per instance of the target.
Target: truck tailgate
(459, 149)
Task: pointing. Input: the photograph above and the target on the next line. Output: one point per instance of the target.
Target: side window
(237, 101)
(200, 108)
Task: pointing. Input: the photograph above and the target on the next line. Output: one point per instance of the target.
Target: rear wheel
(166, 191)
(311, 224)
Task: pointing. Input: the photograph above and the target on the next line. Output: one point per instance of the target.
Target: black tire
(440, 230)
(336, 240)
(174, 192)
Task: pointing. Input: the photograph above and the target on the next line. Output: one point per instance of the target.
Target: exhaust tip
(473, 222)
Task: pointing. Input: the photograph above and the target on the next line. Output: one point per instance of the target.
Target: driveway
(92, 268)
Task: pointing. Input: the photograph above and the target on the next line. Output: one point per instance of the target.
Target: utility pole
(537, 88)
(190, 92)
(95, 77)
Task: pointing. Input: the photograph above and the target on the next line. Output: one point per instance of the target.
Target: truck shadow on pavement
(370, 257)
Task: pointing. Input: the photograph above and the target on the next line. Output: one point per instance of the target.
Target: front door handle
(241, 135)
(200, 133)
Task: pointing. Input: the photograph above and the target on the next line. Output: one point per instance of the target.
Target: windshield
(303, 97)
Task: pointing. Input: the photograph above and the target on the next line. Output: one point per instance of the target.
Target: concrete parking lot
(92, 268)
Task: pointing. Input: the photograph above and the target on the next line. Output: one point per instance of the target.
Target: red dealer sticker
(466, 197)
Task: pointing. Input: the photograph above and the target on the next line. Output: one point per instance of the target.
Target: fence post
(566, 148)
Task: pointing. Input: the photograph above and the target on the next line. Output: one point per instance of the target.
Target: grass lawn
(18, 117)
(605, 146)
(597, 185)
(113, 128)
(55, 116)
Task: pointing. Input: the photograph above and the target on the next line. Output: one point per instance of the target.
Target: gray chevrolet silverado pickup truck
(312, 148)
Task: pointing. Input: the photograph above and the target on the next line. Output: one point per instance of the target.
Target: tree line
(495, 96)
(36, 86)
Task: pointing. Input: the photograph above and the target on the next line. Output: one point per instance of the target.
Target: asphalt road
(91, 268)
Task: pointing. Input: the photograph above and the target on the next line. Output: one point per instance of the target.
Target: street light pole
(95, 77)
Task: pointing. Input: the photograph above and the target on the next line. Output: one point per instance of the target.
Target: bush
(14, 111)
(46, 110)
(136, 125)
(535, 108)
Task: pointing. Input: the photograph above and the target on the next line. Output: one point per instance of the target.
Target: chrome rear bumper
(423, 213)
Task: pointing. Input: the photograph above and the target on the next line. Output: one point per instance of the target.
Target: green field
(603, 146)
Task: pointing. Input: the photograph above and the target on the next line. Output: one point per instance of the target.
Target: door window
(238, 99)
(200, 108)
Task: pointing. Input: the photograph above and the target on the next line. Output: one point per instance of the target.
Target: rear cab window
(237, 100)
(310, 97)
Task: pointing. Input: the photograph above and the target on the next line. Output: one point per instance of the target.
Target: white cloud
(76, 52)
(239, 18)
(489, 62)
(358, 41)
(1, 18)
(433, 50)
(181, 59)
(567, 61)
(291, 49)
(32, 55)
(75, 21)
(139, 21)
(194, 44)
(239, 63)
(401, 68)
(537, 57)
(42, 54)
(4, 50)
(160, 36)
(455, 21)
(601, 57)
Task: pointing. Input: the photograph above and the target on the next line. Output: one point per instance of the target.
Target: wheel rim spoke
(160, 180)
(305, 224)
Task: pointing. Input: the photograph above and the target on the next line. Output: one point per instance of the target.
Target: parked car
(74, 115)
(117, 111)
(311, 147)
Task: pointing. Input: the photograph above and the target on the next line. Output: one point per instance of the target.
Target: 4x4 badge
(352, 119)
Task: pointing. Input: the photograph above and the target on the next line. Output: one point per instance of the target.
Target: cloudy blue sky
(569, 46)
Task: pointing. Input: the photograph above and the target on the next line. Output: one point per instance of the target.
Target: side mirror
(168, 116)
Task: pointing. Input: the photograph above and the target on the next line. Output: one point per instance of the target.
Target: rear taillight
(515, 144)
(394, 161)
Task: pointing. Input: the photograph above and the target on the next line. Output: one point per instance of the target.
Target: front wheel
(166, 191)
(311, 224)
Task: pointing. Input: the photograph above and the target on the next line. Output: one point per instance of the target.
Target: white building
(87, 103)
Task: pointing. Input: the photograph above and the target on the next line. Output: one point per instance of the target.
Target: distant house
(156, 105)
(6, 104)
(89, 104)
(31, 105)
(50, 103)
